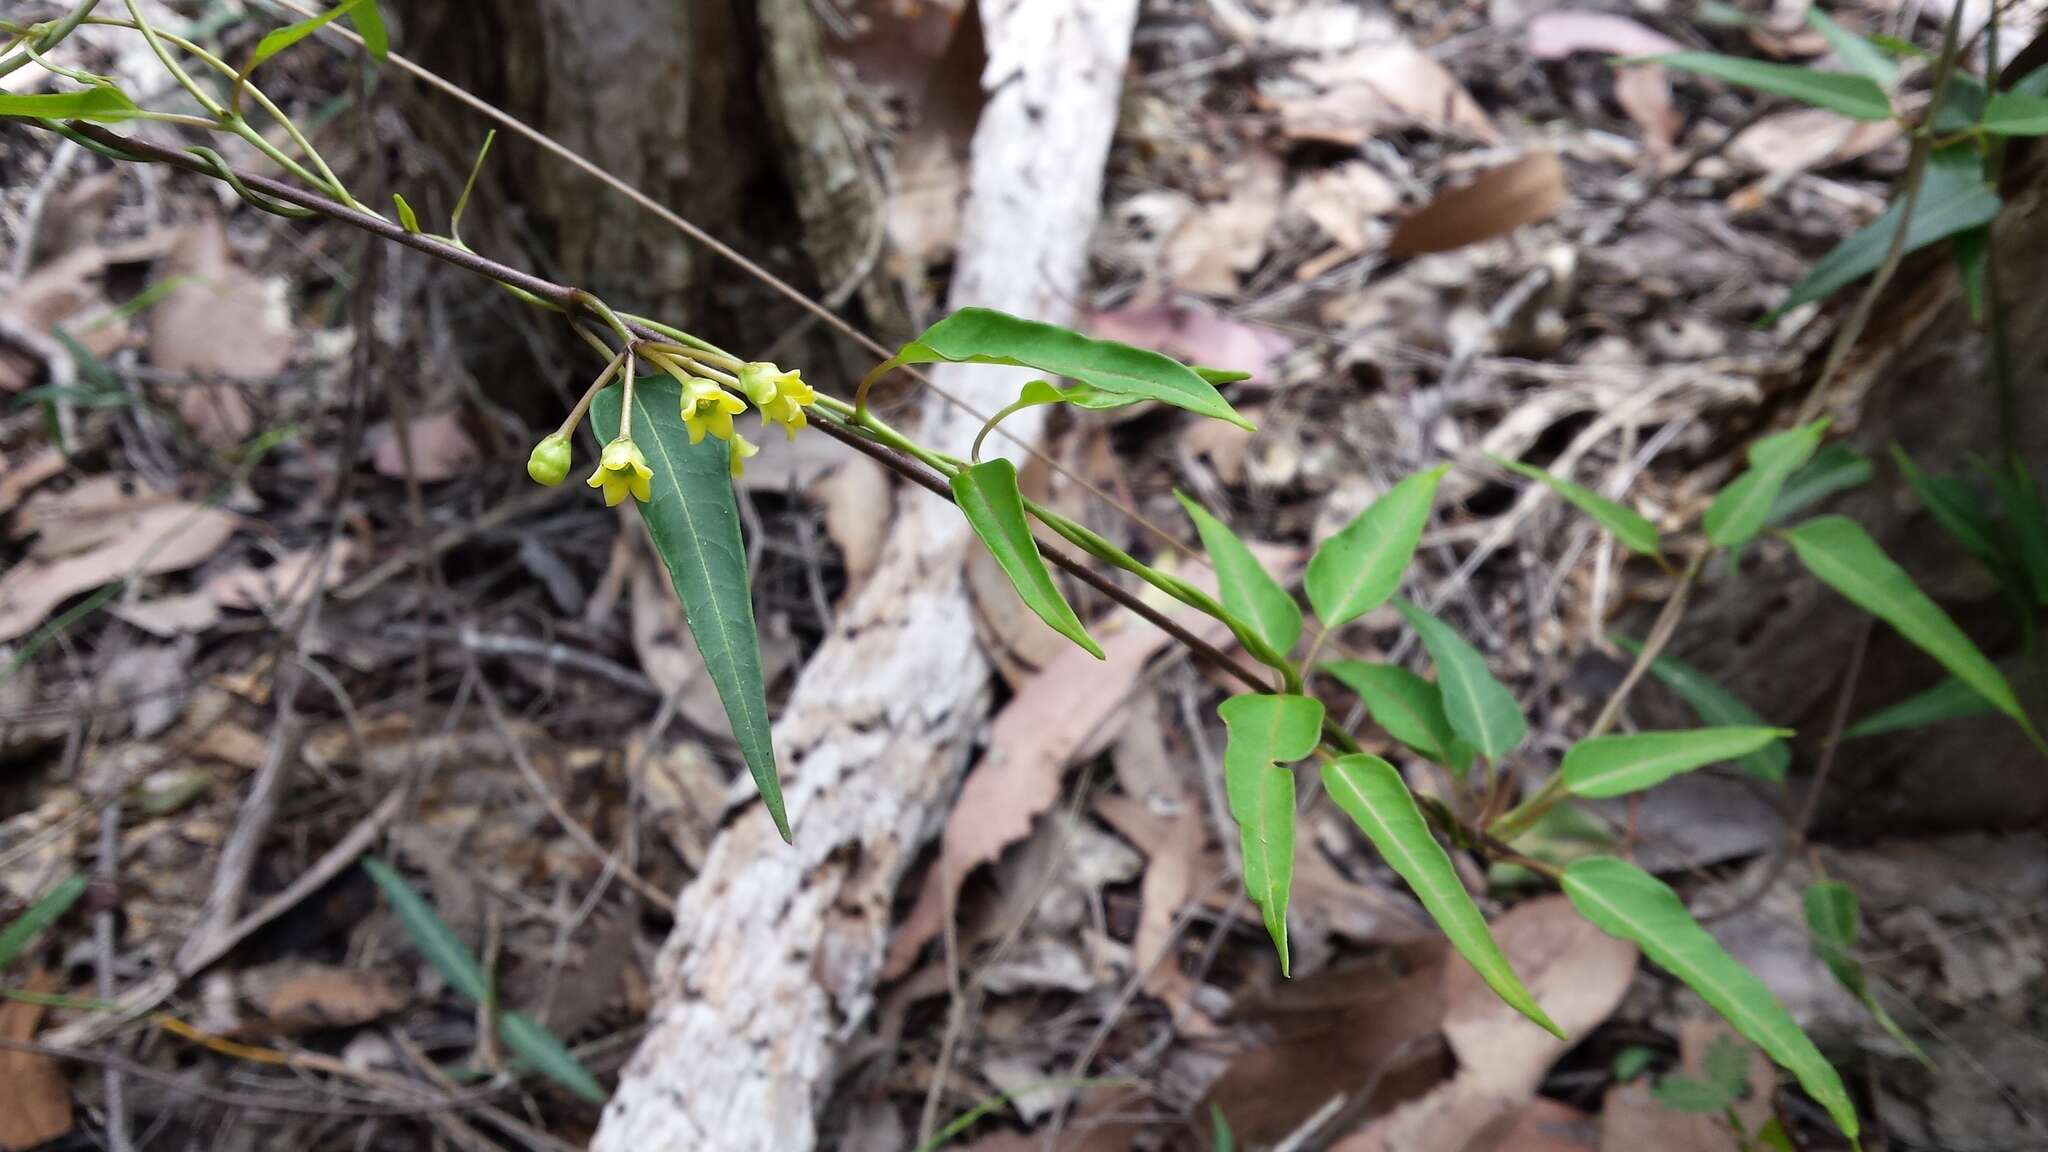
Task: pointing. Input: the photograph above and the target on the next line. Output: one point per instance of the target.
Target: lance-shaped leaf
(1480, 708)
(1410, 708)
(1951, 699)
(1838, 551)
(1249, 592)
(1835, 468)
(2027, 520)
(985, 336)
(1843, 92)
(369, 24)
(1714, 704)
(2016, 114)
(1955, 506)
(988, 496)
(458, 965)
(283, 38)
(1635, 531)
(1266, 733)
(1617, 765)
(694, 522)
(1739, 510)
(1954, 197)
(47, 910)
(1858, 53)
(1356, 570)
(1624, 901)
(101, 103)
(1372, 793)
(1039, 392)
(1835, 919)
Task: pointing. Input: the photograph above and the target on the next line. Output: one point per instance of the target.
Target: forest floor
(1433, 232)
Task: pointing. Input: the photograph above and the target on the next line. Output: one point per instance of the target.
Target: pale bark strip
(775, 952)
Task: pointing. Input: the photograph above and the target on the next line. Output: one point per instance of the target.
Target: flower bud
(549, 463)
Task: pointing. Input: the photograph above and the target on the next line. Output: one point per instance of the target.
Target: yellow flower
(781, 396)
(622, 469)
(709, 408)
(550, 461)
(741, 449)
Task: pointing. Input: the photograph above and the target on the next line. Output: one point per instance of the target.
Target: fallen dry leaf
(65, 522)
(20, 476)
(285, 584)
(296, 997)
(1644, 92)
(682, 791)
(441, 448)
(1343, 201)
(668, 653)
(1500, 200)
(224, 322)
(162, 538)
(1803, 139)
(185, 614)
(1195, 335)
(1214, 246)
(35, 1098)
(1170, 878)
(1016, 640)
(65, 291)
(1459, 1117)
(1378, 88)
(1559, 32)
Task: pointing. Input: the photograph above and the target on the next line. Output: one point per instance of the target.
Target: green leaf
(369, 24)
(1727, 1064)
(1265, 733)
(1617, 765)
(1954, 506)
(1480, 709)
(988, 496)
(1691, 1096)
(1222, 1140)
(1739, 510)
(2028, 522)
(1221, 376)
(1249, 592)
(1714, 705)
(2034, 83)
(1962, 106)
(1949, 700)
(1079, 395)
(1410, 708)
(549, 1056)
(2016, 114)
(985, 336)
(1356, 570)
(291, 34)
(1835, 468)
(1834, 918)
(1842, 92)
(1372, 793)
(1953, 198)
(1845, 558)
(694, 522)
(407, 218)
(1971, 249)
(102, 103)
(1635, 532)
(1856, 52)
(47, 910)
(1624, 901)
(431, 934)
(1632, 1062)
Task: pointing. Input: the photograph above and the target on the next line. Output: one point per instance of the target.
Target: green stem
(53, 35)
(974, 452)
(213, 107)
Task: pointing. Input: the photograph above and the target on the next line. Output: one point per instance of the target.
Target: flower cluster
(781, 396)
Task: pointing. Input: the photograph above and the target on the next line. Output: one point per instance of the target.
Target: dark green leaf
(1249, 592)
(1727, 1063)
(1842, 92)
(1356, 570)
(1962, 106)
(1480, 709)
(431, 934)
(1855, 51)
(1835, 468)
(101, 103)
(47, 910)
(1845, 558)
(694, 522)
(1949, 700)
(1833, 917)
(1372, 793)
(988, 496)
(2034, 83)
(1410, 708)
(1632, 1062)
(1739, 510)
(2016, 114)
(1266, 733)
(1606, 766)
(1971, 250)
(1624, 901)
(1635, 532)
(291, 34)
(985, 336)
(1691, 1096)
(1955, 506)
(1953, 198)
(549, 1056)
(2028, 522)
(1714, 705)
